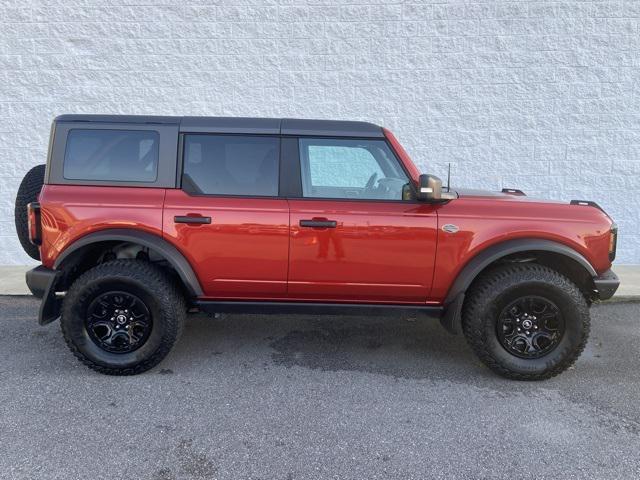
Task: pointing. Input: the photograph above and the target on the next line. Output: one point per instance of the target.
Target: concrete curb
(622, 299)
(12, 281)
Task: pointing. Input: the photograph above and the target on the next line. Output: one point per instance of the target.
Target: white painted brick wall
(542, 96)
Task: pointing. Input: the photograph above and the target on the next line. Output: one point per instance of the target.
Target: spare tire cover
(27, 193)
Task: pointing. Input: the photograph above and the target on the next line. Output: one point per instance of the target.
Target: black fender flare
(451, 319)
(154, 242)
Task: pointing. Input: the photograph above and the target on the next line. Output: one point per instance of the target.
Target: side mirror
(429, 188)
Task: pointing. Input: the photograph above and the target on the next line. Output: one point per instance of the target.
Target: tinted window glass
(335, 168)
(117, 155)
(231, 165)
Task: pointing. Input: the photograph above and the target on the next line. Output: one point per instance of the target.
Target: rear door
(353, 236)
(228, 219)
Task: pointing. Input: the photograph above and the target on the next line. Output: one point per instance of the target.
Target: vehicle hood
(516, 196)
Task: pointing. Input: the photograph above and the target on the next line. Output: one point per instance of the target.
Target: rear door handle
(191, 220)
(319, 223)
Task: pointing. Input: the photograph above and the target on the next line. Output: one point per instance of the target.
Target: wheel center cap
(527, 324)
(121, 319)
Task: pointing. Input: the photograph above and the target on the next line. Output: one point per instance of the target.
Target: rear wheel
(526, 321)
(122, 317)
(28, 192)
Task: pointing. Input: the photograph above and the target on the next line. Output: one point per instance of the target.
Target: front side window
(112, 155)
(358, 169)
(231, 165)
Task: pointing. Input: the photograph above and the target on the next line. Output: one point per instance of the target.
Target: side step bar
(308, 308)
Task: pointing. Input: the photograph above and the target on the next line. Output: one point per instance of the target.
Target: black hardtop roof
(247, 125)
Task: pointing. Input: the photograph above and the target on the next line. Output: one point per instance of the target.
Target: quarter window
(231, 165)
(112, 155)
(341, 168)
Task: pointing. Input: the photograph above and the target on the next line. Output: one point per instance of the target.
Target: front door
(227, 219)
(353, 237)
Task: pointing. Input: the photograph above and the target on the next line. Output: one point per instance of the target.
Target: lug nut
(519, 329)
(527, 332)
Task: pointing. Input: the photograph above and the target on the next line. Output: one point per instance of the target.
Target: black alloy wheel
(118, 322)
(530, 327)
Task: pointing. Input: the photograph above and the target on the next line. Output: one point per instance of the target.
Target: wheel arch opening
(560, 262)
(95, 249)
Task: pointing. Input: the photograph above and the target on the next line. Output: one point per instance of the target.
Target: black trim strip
(290, 179)
(339, 128)
(241, 125)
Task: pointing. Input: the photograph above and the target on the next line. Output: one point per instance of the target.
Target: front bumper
(42, 283)
(606, 285)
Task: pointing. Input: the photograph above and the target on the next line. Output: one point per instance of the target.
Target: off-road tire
(490, 293)
(28, 192)
(150, 283)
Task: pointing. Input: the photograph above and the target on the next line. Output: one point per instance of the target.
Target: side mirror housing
(429, 188)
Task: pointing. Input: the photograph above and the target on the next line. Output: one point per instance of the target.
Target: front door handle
(319, 223)
(191, 220)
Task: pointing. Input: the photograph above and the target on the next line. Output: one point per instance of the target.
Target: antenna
(449, 178)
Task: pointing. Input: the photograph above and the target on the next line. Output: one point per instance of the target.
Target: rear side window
(231, 165)
(113, 155)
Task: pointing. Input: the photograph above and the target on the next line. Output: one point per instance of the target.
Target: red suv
(138, 220)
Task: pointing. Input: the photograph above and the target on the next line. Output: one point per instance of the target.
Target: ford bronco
(138, 220)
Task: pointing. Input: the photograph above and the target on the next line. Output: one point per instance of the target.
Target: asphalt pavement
(297, 397)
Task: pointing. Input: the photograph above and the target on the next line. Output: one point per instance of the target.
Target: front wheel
(122, 317)
(526, 321)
